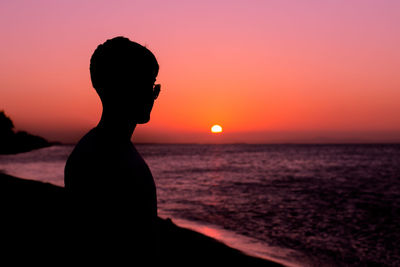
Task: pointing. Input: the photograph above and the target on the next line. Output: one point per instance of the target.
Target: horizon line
(249, 143)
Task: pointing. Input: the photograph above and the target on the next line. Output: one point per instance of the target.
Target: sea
(301, 205)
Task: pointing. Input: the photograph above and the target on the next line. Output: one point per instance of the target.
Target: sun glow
(216, 129)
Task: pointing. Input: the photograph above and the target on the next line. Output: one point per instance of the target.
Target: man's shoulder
(88, 145)
(82, 161)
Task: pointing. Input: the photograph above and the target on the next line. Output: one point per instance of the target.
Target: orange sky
(267, 71)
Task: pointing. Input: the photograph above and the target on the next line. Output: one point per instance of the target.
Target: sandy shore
(35, 223)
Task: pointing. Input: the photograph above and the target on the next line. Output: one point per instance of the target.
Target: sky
(266, 71)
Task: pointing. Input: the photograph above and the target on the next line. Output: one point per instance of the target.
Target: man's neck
(116, 127)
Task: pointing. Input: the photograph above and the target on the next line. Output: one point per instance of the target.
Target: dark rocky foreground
(39, 226)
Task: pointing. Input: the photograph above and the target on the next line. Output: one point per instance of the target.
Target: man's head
(123, 73)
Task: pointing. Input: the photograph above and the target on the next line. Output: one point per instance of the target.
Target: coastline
(244, 244)
(37, 210)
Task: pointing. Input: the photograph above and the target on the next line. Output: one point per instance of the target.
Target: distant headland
(12, 142)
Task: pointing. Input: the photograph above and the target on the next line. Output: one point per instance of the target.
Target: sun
(216, 129)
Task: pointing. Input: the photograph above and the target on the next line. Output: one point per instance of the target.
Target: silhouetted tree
(6, 125)
(11, 142)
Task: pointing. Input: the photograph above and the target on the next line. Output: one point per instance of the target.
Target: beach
(37, 218)
(304, 205)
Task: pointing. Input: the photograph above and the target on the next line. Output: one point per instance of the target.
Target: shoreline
(244, 244)
(44, 205)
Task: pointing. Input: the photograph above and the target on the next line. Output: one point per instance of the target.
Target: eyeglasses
(156, 90)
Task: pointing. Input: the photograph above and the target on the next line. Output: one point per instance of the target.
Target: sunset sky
(266, 71)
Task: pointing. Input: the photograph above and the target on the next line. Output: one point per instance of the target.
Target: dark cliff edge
(36, 227)
(12, 142)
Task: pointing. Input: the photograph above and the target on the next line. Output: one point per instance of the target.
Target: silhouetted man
(112, 186)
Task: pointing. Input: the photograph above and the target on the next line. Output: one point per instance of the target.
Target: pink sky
(267, 71)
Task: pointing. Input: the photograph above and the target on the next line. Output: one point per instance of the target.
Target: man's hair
(118, 61)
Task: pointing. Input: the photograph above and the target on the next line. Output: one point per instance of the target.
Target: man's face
(139, 100)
